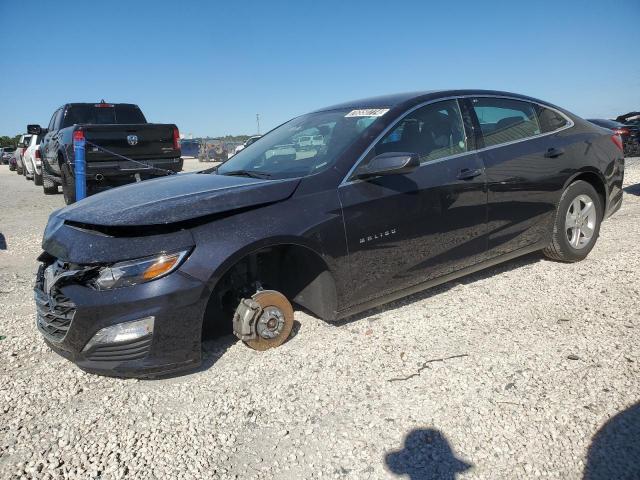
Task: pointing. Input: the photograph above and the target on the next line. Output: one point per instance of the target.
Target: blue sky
(211, 66)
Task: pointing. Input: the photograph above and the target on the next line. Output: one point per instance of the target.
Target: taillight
(617, 139)
(38, 153)
(176, 138)
(78, 135)
(621, 131)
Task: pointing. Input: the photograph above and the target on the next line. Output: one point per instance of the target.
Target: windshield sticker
(367, 112)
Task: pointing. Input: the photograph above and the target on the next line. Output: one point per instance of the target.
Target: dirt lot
(530, 369)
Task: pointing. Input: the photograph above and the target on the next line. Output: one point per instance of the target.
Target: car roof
(74, 104)
(410, 98)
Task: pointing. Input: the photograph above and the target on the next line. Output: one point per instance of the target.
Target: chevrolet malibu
(405, 192)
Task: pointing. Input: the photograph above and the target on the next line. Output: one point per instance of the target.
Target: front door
(403, 230)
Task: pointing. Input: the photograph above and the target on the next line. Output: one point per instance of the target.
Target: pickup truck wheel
(68, 185)
(37, 178)
(274, 325)
(577, 223)
(49, 186)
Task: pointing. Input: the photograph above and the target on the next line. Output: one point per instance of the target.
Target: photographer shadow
(426, 455)
(615, 449)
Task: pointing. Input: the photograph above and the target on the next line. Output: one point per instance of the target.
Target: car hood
(175, 199)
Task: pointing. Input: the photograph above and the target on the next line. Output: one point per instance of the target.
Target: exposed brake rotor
(271, 322)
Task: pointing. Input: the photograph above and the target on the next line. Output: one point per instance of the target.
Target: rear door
(403, 230)
(524, 162)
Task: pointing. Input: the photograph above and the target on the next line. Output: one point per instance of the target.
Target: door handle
(554, 152)
(469, 173)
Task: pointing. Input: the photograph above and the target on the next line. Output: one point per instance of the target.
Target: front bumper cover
(177, 302)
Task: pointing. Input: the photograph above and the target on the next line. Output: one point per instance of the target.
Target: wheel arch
(596, 180)
(292, 266)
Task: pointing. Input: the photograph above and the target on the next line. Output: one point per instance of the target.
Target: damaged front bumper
(70, 315)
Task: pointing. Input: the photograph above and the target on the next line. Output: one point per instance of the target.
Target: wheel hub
(265, 320)
(270, 323)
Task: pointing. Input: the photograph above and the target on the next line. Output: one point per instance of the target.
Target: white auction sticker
(367, 112)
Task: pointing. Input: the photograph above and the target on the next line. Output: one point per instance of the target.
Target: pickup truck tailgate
(137, 141)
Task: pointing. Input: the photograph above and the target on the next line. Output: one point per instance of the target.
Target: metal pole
(258, 122)
(80, 164)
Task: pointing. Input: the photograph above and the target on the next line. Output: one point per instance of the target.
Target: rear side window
(550, 120)
(52, 122)
(433, 131)
(57, 122)
(503, 120)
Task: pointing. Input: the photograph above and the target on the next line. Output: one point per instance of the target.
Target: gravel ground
(528, 369)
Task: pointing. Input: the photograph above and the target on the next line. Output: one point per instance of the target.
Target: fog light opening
(122, 332)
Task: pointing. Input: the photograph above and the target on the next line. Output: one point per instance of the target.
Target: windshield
(303, 146)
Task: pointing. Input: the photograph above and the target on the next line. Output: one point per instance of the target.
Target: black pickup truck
(121, 147)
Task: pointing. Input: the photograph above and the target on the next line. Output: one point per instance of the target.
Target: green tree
(6, 141)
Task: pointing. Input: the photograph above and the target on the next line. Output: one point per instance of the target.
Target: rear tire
(68, 185)
(37, 178)
(577, 224)
(48, 185)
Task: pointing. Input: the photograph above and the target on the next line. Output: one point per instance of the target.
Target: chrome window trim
(570, 123)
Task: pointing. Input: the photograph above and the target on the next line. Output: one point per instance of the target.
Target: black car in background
(406, 191)
(630, 134)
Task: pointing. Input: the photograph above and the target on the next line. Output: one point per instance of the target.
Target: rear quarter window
(550, 120)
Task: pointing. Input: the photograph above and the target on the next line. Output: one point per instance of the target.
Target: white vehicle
(317, 141)
(249, 141)
(31, 160)
(19, 153)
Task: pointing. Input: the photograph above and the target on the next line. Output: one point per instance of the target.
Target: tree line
(9, 141)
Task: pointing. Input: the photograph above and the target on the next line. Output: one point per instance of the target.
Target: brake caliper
(245, 318)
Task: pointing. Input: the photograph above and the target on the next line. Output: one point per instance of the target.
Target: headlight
(122, 332)
(142, 270)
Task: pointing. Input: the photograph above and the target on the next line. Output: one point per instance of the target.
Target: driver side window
(433, 131)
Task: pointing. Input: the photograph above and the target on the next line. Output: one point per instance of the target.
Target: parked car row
(5, 154)
(629, 133)
(121, 147)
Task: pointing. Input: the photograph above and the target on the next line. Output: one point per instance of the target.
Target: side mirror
(34, 129)
(390, 163)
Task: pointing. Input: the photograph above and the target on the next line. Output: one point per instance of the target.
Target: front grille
(54, 315)
(131, 350)
(55, 311)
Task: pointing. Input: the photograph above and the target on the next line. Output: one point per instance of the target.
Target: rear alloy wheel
(274, 325)
(577, 223)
